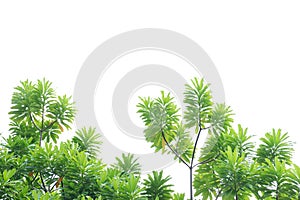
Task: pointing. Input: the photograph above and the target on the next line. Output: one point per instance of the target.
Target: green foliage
(33, 167)
(160, 115)
(220, 118)
(81, 175)
(40, 166)
(115, 184)
(238, 173)
(38, 195)
(163, 127)
(240, 140)
(7, 160)
(38, 113)
(277, 181)
(88, 140)
(216, 144)
(275, 144)
(294, 175)
(157, 187)
(128, 164)
(89, 198)
(178, 196)
(197, 98)
(228, 174)
(182, 143)
(234, 175)
(207, 182)
(18, 145)
(6, 185)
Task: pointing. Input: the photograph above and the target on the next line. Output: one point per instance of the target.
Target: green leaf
(275, 144)
(88, 140)
(198, 100)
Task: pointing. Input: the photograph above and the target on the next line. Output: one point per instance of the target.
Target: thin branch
(34, 177)
(219, 192)
(50, 125)
(179, 157)
(53, 186)
(207, 127)
(191, 184)
(43, 183)
(195, 145)
(42, 127)
(206, 161)
(50, 189)
(31, 119)
(41, 138)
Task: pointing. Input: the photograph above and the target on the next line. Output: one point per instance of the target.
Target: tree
(240, 172)
(33, 165)
(38, 113)
(164, 127)
(228, 175)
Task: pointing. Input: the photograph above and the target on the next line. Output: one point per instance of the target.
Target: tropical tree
(274, 156)
(34, 166)
(38, 113)
(165, 128)
(240, 172)
(228, 175)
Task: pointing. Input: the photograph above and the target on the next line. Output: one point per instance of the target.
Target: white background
(255, 46)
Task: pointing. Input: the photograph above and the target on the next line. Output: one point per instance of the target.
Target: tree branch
(50, 125)
(34, 177)
(49, 187)
(31, 119)
(207, 127)
(219, 192)
(195, 145)
(43, 183)
(206, 161)
(42, 126)
(179, 157)
(54, 185)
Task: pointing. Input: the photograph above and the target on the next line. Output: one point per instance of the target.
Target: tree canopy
(35, 165)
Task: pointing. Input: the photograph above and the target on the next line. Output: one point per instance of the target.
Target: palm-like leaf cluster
(157, 187)
(229, 170)
(88, 140)
(128, 164)
(240, 172)
(37, 112)
(164, 127)
(198, 100)
(161, 117)
(275, 145)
